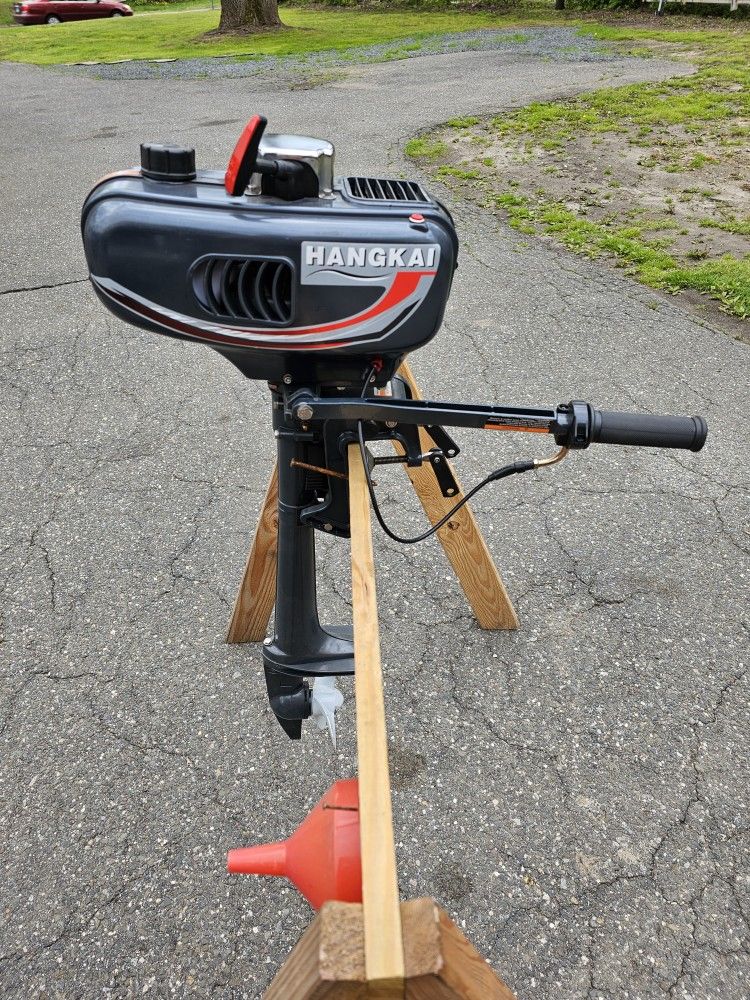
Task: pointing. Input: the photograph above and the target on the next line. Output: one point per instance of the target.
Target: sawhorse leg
(257, 594)
(462, 540)
(440, 963)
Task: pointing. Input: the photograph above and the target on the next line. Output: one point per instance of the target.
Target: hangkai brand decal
(403, 273)
(350, 263)
(336, 255)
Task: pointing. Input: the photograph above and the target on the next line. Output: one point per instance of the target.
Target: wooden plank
(384, 954)
(257, 593)
(328, 963)
(422, 959)
(440, 963)
(461, 539)
(464, 969)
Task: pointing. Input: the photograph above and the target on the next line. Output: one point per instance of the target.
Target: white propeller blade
(326, 698)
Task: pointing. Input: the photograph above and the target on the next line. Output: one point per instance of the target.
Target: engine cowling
(315, 288)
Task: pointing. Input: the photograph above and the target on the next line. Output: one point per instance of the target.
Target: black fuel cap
(167, 163)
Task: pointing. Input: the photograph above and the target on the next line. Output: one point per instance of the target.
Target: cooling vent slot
(378, 189)
(255, 288)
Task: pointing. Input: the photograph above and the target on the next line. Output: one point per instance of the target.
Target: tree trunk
(559, 4)
(249, 15)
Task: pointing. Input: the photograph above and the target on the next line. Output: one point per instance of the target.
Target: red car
(57, 11)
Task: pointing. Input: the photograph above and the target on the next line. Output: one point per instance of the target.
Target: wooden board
(441, 963)
(384, 958)
(328, 963)
(461, 539)
(257, 594)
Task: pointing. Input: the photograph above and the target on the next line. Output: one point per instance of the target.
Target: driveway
(577, 792)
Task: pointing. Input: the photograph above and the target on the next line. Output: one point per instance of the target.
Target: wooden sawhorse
(460, 537)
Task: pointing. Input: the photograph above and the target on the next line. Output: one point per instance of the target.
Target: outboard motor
(300, 279)
(288, 272)
(319, 286)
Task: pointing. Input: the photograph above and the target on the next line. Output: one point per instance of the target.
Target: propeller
(326, 698)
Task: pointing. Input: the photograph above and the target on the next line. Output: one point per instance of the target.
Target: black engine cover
(317, 289)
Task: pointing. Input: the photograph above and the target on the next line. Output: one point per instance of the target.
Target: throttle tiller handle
(646, 429)
(578, 424)
(573, 425)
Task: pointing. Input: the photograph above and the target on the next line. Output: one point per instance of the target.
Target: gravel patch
(558, 44)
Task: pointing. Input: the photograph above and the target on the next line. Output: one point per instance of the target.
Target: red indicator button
(416, 217)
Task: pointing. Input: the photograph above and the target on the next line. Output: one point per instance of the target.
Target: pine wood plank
(328, 962)
(464, 970)
(384, 955)
(440, 963)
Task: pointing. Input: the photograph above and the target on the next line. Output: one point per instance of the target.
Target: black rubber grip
(646, 429)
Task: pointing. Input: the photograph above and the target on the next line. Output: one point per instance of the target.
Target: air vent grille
(379, 189)
(254, 288)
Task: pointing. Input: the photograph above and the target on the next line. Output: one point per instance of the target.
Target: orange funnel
(321, 857)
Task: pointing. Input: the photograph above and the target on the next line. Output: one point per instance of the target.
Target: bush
(602, 4)
(157, 5)
(669, 8)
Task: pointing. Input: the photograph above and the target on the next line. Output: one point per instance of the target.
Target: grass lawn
(170, 35)
(655, 177)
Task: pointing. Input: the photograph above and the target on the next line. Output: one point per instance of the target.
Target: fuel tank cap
(163, 162)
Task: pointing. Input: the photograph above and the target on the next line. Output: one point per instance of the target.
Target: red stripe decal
(404, 284)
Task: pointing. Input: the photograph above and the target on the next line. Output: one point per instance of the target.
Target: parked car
(57, 11)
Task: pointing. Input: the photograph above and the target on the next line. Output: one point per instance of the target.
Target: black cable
(507, 470)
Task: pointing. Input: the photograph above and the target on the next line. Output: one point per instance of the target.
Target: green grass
(465, 122)
(464, 175)
(719, 93)
(726, 279)
(424, 148)
(670, 121)
(688, 101)
(157, 7)
(740, 227)
(170, 35)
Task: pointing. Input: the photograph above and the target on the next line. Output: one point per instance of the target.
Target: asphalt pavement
(576, 794)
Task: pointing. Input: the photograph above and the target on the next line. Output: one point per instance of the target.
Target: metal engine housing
(312, 291)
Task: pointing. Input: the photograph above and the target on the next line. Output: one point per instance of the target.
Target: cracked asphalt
(576, 794)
